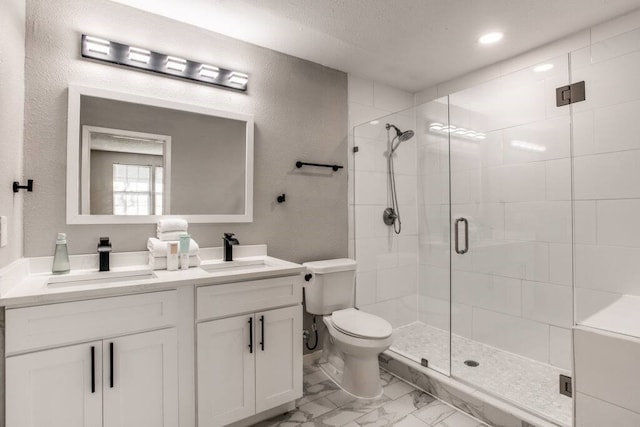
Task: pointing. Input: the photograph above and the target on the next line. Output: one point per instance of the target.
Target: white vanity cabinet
(249, 352)
(88, 363)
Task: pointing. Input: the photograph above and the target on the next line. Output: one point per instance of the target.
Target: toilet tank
(331, 285)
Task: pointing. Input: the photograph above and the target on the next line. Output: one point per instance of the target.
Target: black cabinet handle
(93, 369)
(251, 335)
(111, 364)
(262, 332)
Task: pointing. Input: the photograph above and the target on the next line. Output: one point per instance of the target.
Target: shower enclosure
(514, 211)
(478, 284)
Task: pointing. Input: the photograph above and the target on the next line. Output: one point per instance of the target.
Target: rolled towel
(160, 263)
(171, 235)
(158, 248)
(172, 224)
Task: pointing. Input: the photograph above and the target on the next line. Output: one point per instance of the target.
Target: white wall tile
(608, 268)
(500, 294)
(426, 95)
(584, 219)
(538, 221)
(612, 28)
(366, 283)
(462, 320)
(561, 263)
(560, 348)
(360, 90)
(592, 412)
(525, 260)
(547, 303)
(370, 188)
(610, 82)
(618, 223)
(606, 366)
(607, 176)
(524, 182)
(391, 99)
(514, 334)
(362, 114)
(551, 137)
(558, 179)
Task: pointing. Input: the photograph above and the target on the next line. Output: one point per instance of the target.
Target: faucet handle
(229, 235)
(104, 245)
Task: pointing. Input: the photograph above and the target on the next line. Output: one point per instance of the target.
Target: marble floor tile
(326, 405)
(435, 412)
(459, 419)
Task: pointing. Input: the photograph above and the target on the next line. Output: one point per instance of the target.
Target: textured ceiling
(409, 44)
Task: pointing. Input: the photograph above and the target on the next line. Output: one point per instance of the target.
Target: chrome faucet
(229, 241)
(104, 248)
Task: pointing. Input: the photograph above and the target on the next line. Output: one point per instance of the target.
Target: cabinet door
(226, 371)
(55, 388)
(278, 357)
(140, 380)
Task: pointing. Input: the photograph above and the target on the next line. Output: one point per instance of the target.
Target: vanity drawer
(55, 325)
(245, 297)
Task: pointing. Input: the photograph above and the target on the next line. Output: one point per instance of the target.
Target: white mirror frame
(73, 155)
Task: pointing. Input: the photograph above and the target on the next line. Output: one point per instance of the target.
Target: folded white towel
(158, 248)
(172, 224)
(171, 235)
(160, 263)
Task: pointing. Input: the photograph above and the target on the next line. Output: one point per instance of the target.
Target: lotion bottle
(185, 241)
(172, 256)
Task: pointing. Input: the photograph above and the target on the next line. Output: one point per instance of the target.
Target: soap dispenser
(61, 255)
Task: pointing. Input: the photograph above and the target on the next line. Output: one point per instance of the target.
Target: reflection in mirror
(131, 159)
(125, 172)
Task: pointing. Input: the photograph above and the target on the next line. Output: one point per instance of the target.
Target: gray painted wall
(300, 111)
(12, 41)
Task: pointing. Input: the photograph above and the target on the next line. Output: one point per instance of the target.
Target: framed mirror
(133, 159)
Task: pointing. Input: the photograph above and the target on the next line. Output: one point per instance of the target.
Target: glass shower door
(404, 277)
(511, 277)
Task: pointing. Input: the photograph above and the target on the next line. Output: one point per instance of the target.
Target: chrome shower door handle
(466, 236)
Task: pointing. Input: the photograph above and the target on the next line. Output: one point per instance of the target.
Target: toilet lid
(357, 323)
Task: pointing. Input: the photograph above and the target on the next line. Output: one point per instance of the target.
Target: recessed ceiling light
(490, 38)
(542, 68)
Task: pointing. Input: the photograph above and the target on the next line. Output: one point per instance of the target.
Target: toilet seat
(361, 325)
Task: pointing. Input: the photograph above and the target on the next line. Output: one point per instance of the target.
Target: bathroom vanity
(209, 346)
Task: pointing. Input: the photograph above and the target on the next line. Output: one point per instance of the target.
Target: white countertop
(24, 282)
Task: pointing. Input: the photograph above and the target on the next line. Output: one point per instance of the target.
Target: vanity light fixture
(177, 64)
(97, 45)
(143, 59)
(209, 71)
(139, 55)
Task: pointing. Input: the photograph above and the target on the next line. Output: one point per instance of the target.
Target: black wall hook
(281, 198)
(17, 186)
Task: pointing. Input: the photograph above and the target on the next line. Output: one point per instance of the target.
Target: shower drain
(471, 363)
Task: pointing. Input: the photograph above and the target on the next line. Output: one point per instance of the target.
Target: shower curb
(474, 402)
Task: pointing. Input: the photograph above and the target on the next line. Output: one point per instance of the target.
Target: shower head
(402, 136)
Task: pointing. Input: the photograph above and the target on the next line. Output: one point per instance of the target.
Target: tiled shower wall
(387, 263)
(607, 172)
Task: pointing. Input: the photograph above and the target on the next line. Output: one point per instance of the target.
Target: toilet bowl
(354, 339)
(350, 355)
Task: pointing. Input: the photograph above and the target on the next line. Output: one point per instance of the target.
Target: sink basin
(239, 264)
(96, 277)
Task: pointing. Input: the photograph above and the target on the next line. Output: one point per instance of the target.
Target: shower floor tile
(325, 404)
(525, 382)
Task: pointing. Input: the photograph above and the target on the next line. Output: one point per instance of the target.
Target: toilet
(354, 339)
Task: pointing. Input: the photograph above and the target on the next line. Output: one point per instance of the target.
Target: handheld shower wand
(391, 215)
